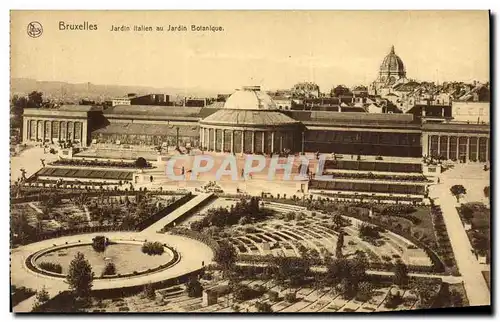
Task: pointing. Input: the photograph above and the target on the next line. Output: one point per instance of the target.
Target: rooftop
(250, 98)
(153, 111)
(248, 117)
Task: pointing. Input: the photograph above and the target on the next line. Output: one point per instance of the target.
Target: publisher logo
(35, 29)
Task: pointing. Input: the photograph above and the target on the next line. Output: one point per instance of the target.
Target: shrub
(250, 230)
(110, 269)
(244, 221)
(401, 209)
(290, 297)
(300, 216)
(260, 289)
(369, 232)
(149, 291)
(290, 216)
(245, 293)
(153, 248)
(51, 267)
(393, 300)
(263, 307)
(194, 288)
(273, 296)
(99, 243)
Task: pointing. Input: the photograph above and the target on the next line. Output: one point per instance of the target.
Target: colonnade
(50, 130)
(248, 140)
(466, 148)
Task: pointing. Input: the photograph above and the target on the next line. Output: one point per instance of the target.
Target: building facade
(67, 124)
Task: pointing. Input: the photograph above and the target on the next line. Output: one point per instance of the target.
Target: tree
(35, 100)
(458, 190)
(291, 271)
(99, 243)
(141, 163)
(340, 244)
(17, 106)
(21, 229)
(365, 291)
(225, 256)
(194, 288)
(42, 297)
(110, 269)
(81, 200)
(467, 213)
(486, 192)
(456, 299)
(80, 276)
(340, 90)
(425, 290)
(149, 291)
(346, 288)
(338, 222)
(400, 273)
(263, 307)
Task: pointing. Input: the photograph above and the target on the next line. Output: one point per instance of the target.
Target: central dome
(392, 64)
(250, 98)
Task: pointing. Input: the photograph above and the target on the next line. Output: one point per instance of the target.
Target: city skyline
(273, 49)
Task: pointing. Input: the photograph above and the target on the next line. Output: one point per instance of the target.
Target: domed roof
(250, 98)
(392, 64)
(243, 117)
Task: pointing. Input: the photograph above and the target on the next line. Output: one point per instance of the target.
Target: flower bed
(373, 166)
(98, 163)
(412, 189)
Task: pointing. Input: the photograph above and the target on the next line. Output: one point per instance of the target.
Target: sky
(274, 49)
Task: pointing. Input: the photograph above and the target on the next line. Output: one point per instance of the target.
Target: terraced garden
(294, 228)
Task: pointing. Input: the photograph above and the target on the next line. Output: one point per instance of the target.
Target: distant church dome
(250, 98)
(391, 73)
(392, 65)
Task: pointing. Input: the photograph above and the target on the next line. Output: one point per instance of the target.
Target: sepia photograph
(250, 162)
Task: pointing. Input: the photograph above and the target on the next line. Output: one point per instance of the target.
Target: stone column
(264, 141)
(242, 142)
(477, 149)
(73, 132)
(425, 144)
(303, 139)
(232, 141)
(214, 142)
(201, 138)
(222, 142)
(487, 156)
(467, 150)
(253, 141)
(448, 145)
(272, 142)
(439, 145)
(458, 148)
(50, 131)
(26, 129)
(84, 133)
